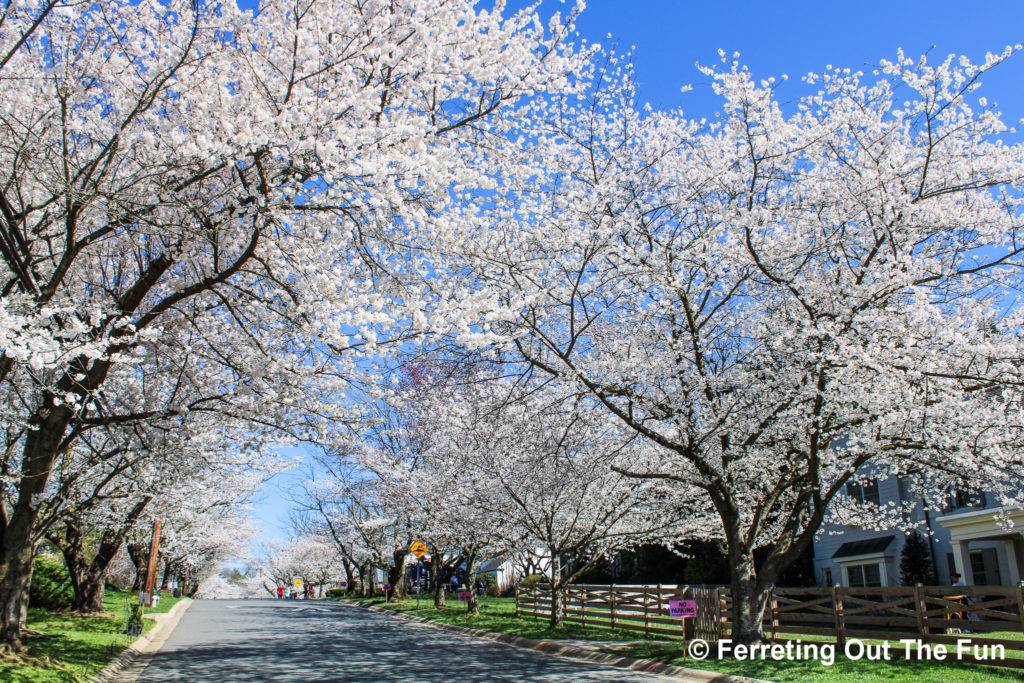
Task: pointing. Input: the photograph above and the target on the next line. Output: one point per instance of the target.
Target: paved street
(233, 641)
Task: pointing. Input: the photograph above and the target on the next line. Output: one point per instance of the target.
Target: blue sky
(789, 37)
(773, 38)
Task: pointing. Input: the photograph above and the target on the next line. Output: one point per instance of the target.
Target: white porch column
(1013, 568)
(961, 558)
(1016, 553)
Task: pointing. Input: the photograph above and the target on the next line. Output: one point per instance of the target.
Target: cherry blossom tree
(223, 194)
(778, 298)
(538, 466)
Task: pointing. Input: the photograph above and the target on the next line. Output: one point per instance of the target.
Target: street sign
(298, 583)
(464, 596)
(419, 548)
(342, 584)
(387, 586)
(682, 608)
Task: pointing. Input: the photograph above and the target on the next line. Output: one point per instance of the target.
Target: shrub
(490, 583)
(335, 592)
(528, 582)
(51, 585)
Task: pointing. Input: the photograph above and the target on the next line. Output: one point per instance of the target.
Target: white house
(965, 537)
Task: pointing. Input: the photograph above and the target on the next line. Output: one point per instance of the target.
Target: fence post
(658, 612)
(583, 607)
(611, 599)
(775, 615)
(919, 610)
(837, 609)
(647, 626)
(536, 601)
(517, 599)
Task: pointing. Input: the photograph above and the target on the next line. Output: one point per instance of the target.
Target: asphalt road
(235, 641)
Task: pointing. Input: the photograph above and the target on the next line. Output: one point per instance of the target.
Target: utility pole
(154, 548)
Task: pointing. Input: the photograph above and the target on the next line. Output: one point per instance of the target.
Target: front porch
(988, 545)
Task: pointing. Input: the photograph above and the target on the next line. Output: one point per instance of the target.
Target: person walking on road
(280, 591)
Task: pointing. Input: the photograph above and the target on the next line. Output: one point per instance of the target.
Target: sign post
(682, 609)
(419, 549)
(387, 587)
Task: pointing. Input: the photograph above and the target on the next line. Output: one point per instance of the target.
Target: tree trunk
(17, 543)
(15, 578)
(350, 576)
(396, 576)
(557, 592)
(749, 597)
(165, 581)
(473, 606)
(363, 587)
(438, 578)
(137, 554)
(86, 577)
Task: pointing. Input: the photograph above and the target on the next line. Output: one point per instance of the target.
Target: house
(966, 537)
(511, 567)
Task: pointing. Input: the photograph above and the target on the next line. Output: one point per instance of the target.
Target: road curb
(158, 634)
(642, 665)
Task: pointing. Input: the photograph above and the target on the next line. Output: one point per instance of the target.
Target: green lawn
(498, 615)
(897, 670)
(72, 648)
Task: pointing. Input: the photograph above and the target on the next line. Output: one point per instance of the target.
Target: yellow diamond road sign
(419, 548)
(298, 583)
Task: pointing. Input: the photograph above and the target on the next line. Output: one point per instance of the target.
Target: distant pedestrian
(287, 593)
(280, 592)
(480, 587)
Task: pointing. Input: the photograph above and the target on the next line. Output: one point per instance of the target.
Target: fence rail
(993, 615)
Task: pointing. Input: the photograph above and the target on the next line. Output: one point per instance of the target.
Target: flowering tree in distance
(776, 299)
(540, 465)
(217, 193)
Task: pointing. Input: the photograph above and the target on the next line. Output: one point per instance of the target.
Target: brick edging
(130, 653)
(551, 648)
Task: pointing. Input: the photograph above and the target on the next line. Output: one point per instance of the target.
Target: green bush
(528, 582)
(335, 592)
(490, 583)
(51, 585)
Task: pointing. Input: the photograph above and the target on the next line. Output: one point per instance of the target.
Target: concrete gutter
(129, 665)
(561, 650)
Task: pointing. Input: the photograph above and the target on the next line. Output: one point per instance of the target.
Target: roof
(868, 546)
(492, 565)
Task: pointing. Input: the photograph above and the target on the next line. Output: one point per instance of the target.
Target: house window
(826, 576)
(864, 575)
(864, 491)
(984, 567)
(964, 498)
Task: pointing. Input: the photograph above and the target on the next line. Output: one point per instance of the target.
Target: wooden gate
(708, 624)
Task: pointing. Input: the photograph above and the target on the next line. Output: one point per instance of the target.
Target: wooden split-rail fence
(987, 615)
